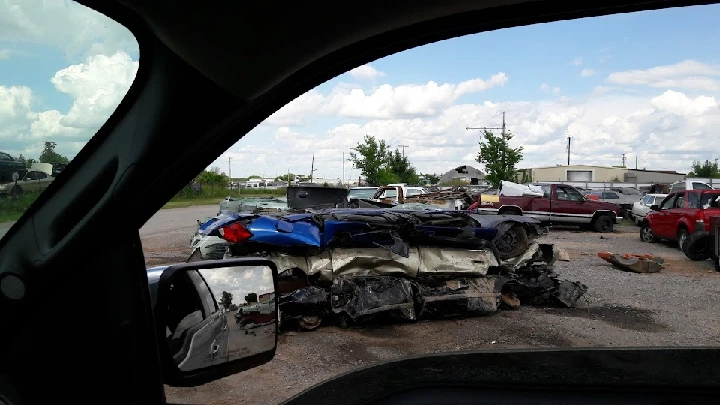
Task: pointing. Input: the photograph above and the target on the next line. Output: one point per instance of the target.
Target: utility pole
(312, 168)
(501, 128)
(403, 146)
(568, 151)
(343, 179)
(623, 165)
(636, 158)
(229, 168)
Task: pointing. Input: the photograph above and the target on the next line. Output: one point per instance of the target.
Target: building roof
(658, 171)
(580, 166)
(462, 172)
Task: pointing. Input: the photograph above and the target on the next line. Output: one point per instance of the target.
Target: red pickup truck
(561, 204)
(680, 215)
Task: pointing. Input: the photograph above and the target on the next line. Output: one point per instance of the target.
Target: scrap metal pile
(356, 265)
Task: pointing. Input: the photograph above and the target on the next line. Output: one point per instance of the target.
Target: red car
(680, 215)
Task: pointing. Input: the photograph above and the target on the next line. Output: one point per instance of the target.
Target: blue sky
(664, 112)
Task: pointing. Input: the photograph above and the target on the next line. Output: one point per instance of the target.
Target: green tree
(254, 176)
(226, 300)
(212, 179)
(285, 177)
(49, 155)
(380, 165)
(432, 178)
(251, 297)
(371, 157)
(401, 167)
(707, 169)
(498, 157)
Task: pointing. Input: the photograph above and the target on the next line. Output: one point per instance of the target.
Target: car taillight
(235, 233)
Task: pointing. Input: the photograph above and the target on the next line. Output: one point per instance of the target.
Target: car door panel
(662, 223)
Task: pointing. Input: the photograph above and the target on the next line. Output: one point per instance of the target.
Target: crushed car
(355, 265)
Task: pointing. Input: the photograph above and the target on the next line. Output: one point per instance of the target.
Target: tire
(604, 224)
(682, 237)
(308, 323)
(697, 249)
(513, 242)
(646, 234)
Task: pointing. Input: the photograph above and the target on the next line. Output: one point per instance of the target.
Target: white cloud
(688, 74)
(667, 128)
(577, 61)
(678, 103)
(66, 25)
(96, 87)
(238, 281)
(4, 54)
(587, 73)
(366, 72)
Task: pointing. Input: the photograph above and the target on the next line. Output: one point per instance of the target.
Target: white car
(642, 207)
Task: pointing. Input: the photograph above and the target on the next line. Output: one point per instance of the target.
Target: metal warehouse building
(589, 173)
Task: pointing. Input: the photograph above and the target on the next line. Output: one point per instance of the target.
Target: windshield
(361, 193)
(620, 102)
(64, 68)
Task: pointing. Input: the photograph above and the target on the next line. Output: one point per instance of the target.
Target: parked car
(560, 204)
(642, 207)
(625, 201)
(689, 185)
(680, 215)
(8, 166)
(34, 181)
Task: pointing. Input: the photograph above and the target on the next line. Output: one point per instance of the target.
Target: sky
(645, 85)
(239, 281)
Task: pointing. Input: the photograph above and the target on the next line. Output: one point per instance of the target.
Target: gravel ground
(673, 307)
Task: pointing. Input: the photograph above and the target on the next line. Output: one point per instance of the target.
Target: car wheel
(682, 237)
(697, 248)
(513, 242)
(310, 322)
(604, 224)
(646, 234)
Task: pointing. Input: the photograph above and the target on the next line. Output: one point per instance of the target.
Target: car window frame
(670, 199)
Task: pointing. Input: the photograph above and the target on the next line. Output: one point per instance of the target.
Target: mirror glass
(218, 315)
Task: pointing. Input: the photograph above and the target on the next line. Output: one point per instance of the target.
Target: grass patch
(12, 210)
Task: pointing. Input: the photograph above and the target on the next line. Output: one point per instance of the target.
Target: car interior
(76, 311)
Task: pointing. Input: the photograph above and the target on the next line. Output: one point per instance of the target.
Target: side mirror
(214, 318)
(654, 207)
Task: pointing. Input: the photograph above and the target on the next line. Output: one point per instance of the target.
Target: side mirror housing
(655, 207)
(214, 318)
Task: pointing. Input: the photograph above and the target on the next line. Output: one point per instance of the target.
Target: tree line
(381, 165)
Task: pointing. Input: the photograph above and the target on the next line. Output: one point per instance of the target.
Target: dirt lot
(674, 307)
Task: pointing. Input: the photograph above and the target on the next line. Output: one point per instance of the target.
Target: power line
(403, 148)
(486, 128)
